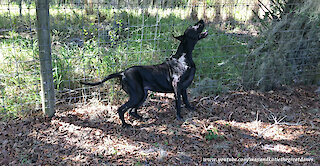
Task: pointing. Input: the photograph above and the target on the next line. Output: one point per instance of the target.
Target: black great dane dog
(172, 76)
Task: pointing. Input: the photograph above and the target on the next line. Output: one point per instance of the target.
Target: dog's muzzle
(203, 35)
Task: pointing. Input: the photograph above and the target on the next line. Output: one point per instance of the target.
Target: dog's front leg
(186, 101)
(178, 105)
(177, 95)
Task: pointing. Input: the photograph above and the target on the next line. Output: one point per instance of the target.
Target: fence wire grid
(250, 46)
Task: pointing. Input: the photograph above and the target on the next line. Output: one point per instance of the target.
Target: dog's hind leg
(136, 94)
(133, 112)
(125, 107)
(122, 110)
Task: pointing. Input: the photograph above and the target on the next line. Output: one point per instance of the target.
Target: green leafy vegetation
(289, 52)
(95, 45)
(213, 135)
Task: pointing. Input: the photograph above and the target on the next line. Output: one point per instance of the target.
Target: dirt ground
(235, 126)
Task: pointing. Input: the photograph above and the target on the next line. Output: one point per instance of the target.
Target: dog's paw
(137, 116)
(191, 108)
(126, 125)
(179, 118)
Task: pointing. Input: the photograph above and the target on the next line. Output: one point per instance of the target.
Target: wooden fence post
(44, 42)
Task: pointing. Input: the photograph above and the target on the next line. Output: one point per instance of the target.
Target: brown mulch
(242, 124)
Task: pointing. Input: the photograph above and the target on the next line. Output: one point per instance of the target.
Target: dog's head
(193, 32)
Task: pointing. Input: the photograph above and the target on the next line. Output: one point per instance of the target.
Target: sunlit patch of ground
(235, 125)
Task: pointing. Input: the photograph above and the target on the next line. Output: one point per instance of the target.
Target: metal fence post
(44, 42)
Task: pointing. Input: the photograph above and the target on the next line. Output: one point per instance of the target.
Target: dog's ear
(180, 38)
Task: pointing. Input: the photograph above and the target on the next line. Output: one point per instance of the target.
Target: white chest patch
(182, 62)
(195, 27)
(178, 68)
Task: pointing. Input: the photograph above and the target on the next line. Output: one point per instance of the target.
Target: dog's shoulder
(177, 66)
(178, 62)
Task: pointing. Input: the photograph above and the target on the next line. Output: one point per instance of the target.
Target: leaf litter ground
(242, 124)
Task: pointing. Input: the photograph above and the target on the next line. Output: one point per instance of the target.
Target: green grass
(19, 70)
(93, 47)
(213, 135)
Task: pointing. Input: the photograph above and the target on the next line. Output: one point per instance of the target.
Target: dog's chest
(178, 66)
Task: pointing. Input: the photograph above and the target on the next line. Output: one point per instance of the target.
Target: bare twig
(230, 115)
(290, 124)
(204, 98)
(277, 122)
(272, 14)
(316, 144)
(245, 163)
(263, 106)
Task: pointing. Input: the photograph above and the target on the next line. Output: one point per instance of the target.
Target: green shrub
(289, 52)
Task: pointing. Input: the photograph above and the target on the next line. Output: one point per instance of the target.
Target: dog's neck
(185, 48)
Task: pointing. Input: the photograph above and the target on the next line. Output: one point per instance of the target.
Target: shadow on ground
(234, 125)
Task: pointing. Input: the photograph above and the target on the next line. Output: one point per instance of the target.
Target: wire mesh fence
(251, 44)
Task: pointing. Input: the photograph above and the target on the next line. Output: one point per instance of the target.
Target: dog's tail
(115, 75)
